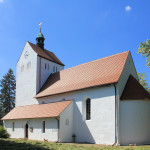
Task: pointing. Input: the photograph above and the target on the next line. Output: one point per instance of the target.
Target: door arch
(26, 131)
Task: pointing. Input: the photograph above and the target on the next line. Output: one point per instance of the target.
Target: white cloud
(128, 8)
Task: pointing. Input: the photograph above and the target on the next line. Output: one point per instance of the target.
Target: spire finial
(40, 26)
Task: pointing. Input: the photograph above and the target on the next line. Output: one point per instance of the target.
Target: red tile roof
(45, 54)
(99, 72)
(38, 111)
(134, 91)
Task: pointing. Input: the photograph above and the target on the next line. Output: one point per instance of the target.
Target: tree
(144, 49)
(143, 81)
(7, 92)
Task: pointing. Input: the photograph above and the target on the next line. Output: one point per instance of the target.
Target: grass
(22, 144)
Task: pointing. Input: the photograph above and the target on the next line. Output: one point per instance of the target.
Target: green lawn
(20, 144)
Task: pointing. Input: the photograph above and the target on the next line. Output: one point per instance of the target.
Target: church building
(98, 102)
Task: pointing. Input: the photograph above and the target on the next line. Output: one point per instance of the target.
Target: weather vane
(40, 25)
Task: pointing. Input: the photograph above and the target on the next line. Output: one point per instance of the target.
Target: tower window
(45, 66)
(48, 66)
(22, 68)
(88, 109)
(43, 126)
(29, 65)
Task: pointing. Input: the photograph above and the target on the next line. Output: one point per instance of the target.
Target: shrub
(4, 133)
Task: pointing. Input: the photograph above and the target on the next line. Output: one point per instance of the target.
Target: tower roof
(45, 54)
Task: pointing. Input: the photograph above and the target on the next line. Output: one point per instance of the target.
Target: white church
(97, 102)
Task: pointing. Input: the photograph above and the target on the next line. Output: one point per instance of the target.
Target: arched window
(88, 109)
(29, 65)
(22, 68)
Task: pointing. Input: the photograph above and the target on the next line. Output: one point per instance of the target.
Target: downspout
(58, 129)
(115, 115)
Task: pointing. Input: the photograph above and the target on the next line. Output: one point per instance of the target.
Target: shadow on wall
(82, 132)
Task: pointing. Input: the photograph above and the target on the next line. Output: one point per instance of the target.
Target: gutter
(58, 129)
(115, 115)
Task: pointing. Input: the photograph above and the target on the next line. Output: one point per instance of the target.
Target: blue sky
(77, 31)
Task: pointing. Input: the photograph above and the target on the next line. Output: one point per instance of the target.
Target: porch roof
(49, 110)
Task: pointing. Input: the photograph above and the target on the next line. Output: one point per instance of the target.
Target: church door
(26, 131)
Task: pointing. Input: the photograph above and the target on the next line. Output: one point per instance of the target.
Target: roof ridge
(94, 61)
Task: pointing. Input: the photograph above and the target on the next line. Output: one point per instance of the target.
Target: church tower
(40, 40)
(34, 67)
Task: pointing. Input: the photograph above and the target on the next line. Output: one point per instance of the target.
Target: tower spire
(40, 38)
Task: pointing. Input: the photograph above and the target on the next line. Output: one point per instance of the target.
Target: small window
(48, 66)
(43, 126)
(67, 122)
(22, 68)
(45, 66)
(88, 109)
(54, 69)
(13, 126)
(29, 65)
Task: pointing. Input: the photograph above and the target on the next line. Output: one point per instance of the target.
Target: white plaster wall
(51, 128)
(42, 73)
(101, 128)
(26, 79)
(66, 124)
(134, 122)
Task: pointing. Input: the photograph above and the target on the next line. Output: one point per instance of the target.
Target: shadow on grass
(23, 145)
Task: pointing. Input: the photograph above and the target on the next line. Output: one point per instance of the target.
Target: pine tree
(7, 92)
